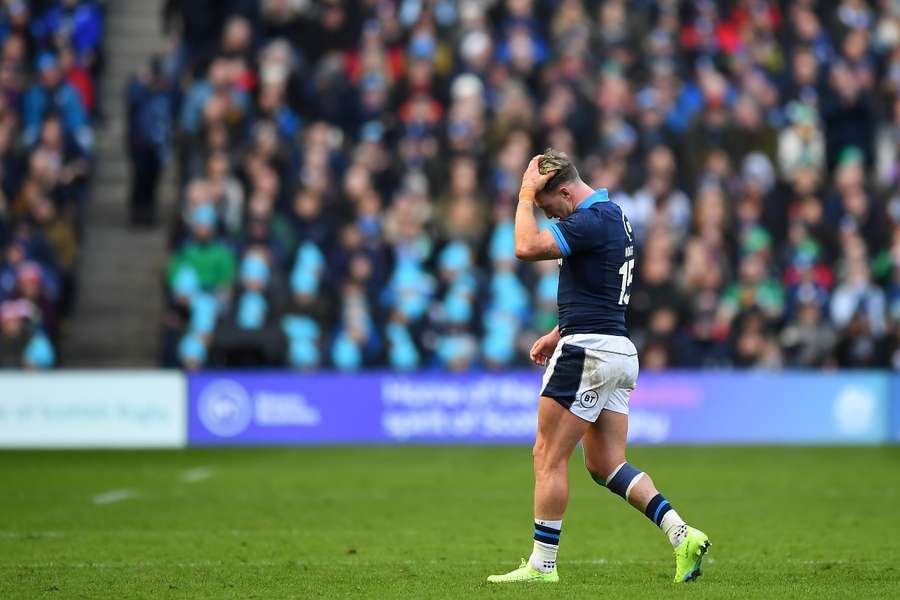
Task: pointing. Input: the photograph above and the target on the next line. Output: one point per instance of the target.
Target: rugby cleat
(525, 574)
(689, 555)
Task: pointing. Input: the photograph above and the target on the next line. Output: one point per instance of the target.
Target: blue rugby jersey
(595, 272)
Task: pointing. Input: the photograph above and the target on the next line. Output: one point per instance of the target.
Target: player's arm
(532, 243)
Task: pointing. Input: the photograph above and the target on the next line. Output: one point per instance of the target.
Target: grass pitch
(427, 522)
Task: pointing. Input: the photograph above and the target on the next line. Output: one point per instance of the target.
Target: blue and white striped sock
(546, 544)
(664, 516)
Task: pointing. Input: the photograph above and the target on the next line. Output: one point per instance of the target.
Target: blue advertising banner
(894, 422)
(761, 408)
(274, 408)
(690, 408)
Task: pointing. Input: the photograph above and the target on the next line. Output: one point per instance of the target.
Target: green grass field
(422, 522)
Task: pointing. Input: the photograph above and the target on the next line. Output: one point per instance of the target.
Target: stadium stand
(350, 172)
(50, 63)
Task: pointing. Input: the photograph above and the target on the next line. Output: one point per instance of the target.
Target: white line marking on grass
(347, 561)
(196, 474)
(113, 496)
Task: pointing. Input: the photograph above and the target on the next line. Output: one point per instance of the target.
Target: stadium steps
(118, 312)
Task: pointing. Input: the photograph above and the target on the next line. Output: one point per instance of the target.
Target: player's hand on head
(533, 180)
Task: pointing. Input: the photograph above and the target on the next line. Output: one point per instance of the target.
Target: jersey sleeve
(576, 233)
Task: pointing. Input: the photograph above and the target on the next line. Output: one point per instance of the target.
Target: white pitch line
(362, 561)
(113, 496)
(196, 474)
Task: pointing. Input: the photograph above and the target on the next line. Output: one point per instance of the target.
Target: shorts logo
(588, 398)
(225, 408)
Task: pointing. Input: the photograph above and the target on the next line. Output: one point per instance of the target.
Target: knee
(544, 459)
(601, 467)
(596, 469)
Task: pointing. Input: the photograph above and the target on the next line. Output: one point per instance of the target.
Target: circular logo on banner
(588, 398)
(225, 408)
(854, 411)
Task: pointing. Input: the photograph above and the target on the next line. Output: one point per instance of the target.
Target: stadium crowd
(350, 173)
(50, 59)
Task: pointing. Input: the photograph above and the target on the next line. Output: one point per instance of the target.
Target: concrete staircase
(117, 315)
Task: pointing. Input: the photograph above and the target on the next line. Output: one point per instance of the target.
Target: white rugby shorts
(592, 372)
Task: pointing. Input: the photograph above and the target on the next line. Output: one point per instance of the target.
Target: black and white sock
(664, 516)
(546, 544)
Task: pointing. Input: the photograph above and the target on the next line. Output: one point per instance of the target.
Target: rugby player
(591, 365)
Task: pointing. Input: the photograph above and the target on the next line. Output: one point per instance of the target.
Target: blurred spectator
(800, 145)
(808, 341)
(149, 124)
(51, 93)
(77, 23)
(856, 296)
(211, 260)
(22, 342)
(251, 333)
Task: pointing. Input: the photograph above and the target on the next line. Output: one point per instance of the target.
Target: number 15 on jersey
(627, 273)
(627, 270)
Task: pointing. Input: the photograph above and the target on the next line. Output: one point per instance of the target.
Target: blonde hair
(559, 161)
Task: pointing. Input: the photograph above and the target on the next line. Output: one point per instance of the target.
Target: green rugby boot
(525, 574)
(689, 555)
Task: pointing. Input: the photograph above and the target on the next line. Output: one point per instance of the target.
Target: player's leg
(604, 458)
(604, 455)
(559, 431)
